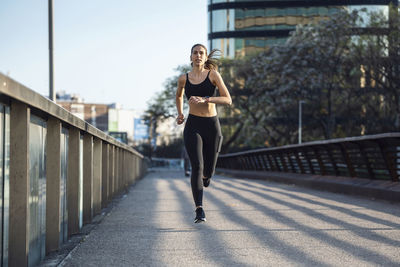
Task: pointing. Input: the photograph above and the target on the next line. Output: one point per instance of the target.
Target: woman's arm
(179, 99)
(225, 97)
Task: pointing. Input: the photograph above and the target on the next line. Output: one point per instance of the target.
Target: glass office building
(242, 27)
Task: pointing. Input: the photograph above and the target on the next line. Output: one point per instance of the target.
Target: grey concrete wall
(53, 177)
(116, 170)
(87, 178)
(19, 185)
(97, 174)
(73, 181)
(111, 173)
(105, 174)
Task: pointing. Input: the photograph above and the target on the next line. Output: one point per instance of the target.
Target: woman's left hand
(196, 100)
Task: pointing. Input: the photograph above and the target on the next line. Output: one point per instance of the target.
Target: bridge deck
(250, 223)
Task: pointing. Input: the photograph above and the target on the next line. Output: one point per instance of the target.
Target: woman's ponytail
(212, 60)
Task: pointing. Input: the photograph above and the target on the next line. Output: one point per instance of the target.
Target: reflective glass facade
(241, 28)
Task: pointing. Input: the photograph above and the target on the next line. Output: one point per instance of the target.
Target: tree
(162, 105)
(378, 55)
(323, 64)
(234, 73)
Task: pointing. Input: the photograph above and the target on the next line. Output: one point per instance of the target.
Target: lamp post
(52, 94)
(300, 117)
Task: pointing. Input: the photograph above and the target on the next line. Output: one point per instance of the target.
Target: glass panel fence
(63, 186)
(37, 190)
(4, 181)
(80, 181)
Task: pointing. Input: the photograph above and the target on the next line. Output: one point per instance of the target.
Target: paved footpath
(249, 223)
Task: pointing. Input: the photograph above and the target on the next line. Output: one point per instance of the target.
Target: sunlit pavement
(249, 223)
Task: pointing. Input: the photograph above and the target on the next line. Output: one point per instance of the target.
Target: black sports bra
(205, 88)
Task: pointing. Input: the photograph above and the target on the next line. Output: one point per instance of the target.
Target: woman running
(202, 134)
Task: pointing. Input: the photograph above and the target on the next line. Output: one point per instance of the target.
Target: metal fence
(372, 157)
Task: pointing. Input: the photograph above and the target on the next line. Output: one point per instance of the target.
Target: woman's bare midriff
(203, 109)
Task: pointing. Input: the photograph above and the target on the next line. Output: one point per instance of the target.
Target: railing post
(137, 170)
(53, 180)
(87, 178)
(274, 157)
(299, 163)
(260, 165)
(320, 162)
(97, 178)
(121, 170)
(73, 181)
(366, 160)
(389, 162)
(252, 162)
(105, 174)
(242, 165)
(116, 169)
(292, 166)
(307, 156)
(272, 166)
(334, 165)
(245, 162)
(282, 157)
(347, 159)
(111, 168)
(126, 169)
(19, 185)
(263, 163)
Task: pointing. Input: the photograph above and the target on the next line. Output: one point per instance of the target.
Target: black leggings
(203, 139)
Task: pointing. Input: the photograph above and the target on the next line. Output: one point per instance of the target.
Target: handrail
(371, 156)
(17, 91)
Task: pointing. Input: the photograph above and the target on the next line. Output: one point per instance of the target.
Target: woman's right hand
(180, 119)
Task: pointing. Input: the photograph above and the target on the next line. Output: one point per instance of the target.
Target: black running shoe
(206, 182)
(200, 216)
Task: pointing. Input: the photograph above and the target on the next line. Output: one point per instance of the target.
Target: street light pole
(52, 94)
(300, 117)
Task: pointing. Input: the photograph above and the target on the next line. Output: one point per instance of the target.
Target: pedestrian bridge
(73, 196)
(249, 223)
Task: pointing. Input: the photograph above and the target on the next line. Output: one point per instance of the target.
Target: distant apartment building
(126, 125)
(93, 113)
(110, 118)
(241, 27)
(122, 121)
(168, 131)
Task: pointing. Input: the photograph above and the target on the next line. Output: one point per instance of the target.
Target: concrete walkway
(249, 223)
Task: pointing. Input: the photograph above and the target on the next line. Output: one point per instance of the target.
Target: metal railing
(372, 157)
(56, 173)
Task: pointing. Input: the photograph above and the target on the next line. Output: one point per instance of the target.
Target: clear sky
(106, 51)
